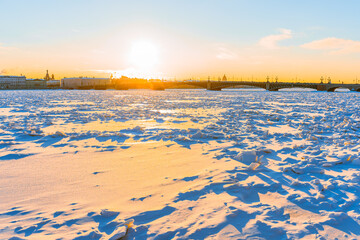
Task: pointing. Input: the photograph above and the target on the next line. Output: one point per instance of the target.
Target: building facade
(12, 82)
(35, 84)
(85, 83)
(53, 84)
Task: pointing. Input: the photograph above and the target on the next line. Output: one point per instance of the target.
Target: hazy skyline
(181, 39)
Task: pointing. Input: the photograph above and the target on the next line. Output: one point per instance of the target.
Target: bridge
(218, 85)
(271, 86)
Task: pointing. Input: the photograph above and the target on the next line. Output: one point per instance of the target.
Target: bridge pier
(267, 86)
(211, 88)
(321, 87)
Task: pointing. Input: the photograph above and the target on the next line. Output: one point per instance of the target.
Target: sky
(197, 39)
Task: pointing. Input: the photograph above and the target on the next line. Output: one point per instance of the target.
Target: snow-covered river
(179, 164)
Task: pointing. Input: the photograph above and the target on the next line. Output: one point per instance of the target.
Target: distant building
(53, 84)
(85, 83)
(224, 78)
(12, 82)
(35, 83)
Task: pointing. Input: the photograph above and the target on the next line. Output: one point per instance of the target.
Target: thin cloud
(271, 41)
(226, 54)
(130, 72)
(2, 47)
(334, 45)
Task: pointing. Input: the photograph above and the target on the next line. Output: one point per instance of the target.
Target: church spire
(47, 77)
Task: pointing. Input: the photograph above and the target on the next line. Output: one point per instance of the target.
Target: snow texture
(179, 164)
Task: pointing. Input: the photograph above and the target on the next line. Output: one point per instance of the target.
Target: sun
(143, 55)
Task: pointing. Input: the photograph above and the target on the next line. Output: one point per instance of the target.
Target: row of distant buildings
(49, 82)
(21, 82)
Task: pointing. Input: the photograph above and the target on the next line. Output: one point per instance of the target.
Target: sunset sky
(182, 39)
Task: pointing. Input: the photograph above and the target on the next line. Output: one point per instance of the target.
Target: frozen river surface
(179, 164)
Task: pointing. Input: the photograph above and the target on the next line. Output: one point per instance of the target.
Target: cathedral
(47, 77)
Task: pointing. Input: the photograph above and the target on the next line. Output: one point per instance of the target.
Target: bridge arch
(242, 85)
(292, 87)
(332, 89)
(222, 85)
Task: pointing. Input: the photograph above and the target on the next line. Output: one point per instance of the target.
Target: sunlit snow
(179, 164)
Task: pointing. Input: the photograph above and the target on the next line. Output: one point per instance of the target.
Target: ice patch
(247, 157)
(108, 214)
